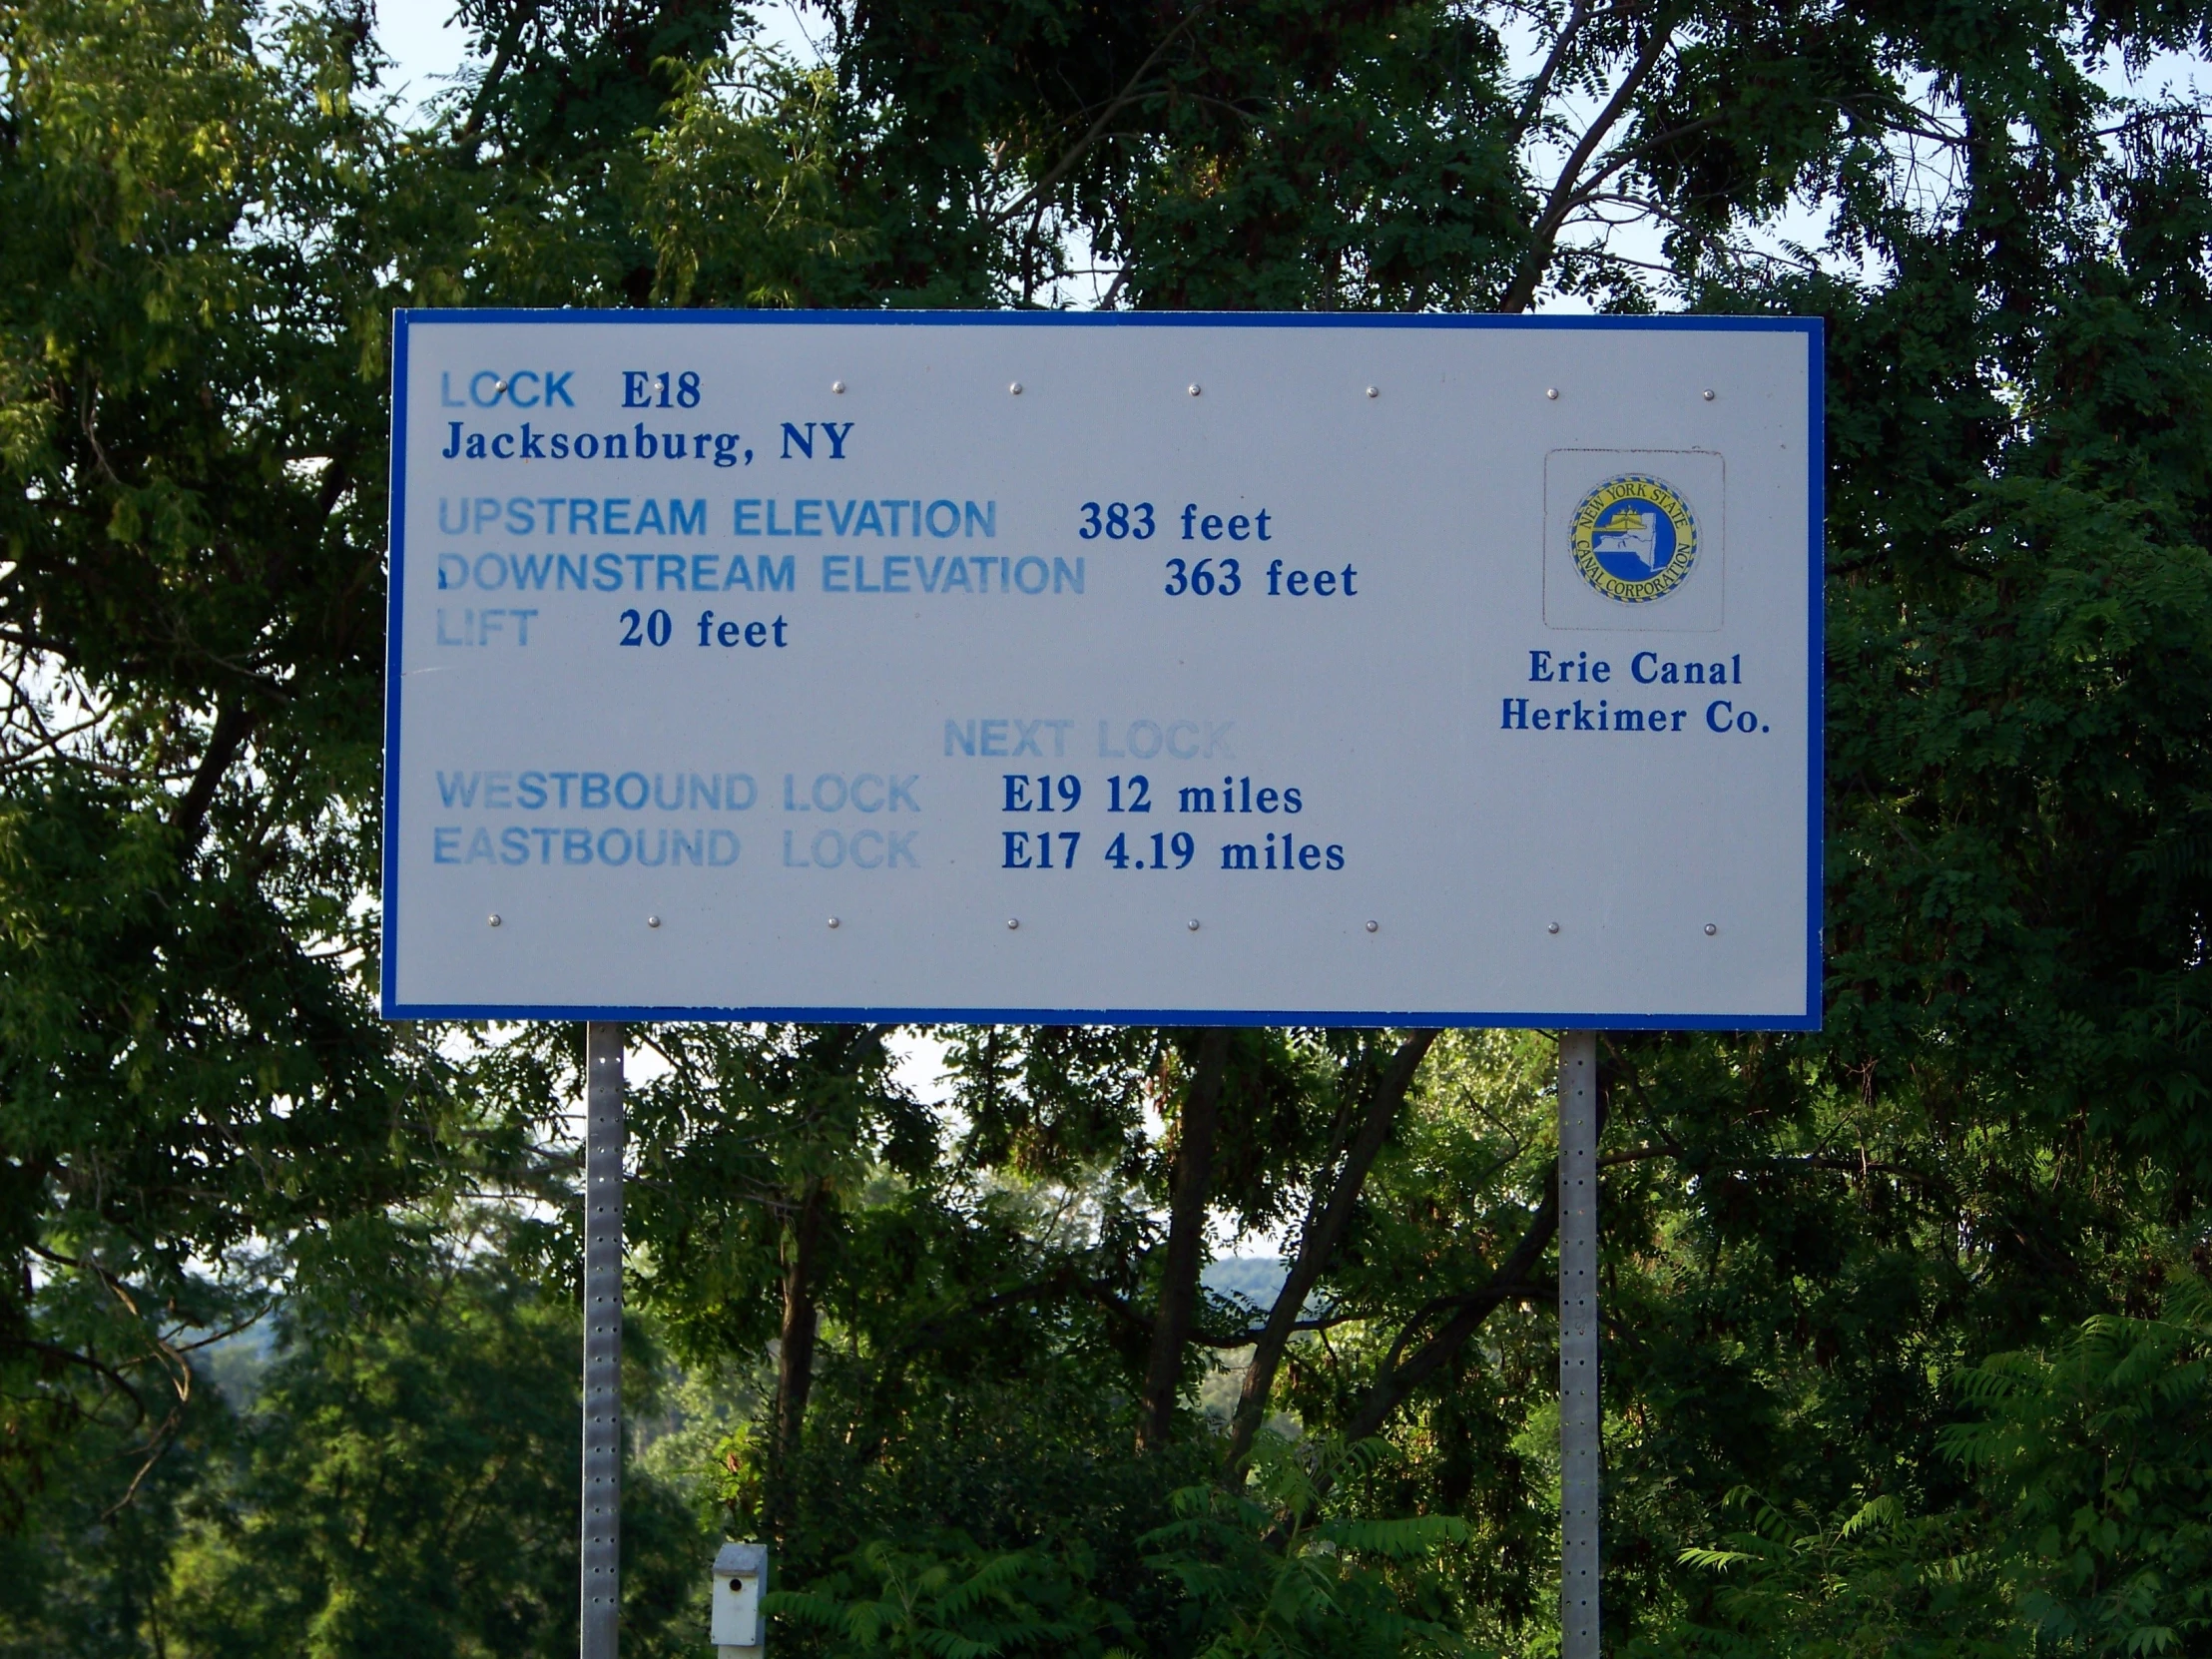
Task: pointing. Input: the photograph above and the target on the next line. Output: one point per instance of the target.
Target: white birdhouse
(741, 1575)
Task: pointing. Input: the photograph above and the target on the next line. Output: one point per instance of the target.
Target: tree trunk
(795, 1361)
(1193, 1174)
(1326, 1220)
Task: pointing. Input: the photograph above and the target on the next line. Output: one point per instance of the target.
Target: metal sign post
(1581, 1416)
(602, 1552)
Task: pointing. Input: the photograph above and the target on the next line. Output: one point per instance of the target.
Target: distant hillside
(1258, 1279)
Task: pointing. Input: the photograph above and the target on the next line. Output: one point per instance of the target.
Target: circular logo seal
(1634, 539)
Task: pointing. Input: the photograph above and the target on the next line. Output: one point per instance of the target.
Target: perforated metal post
(600, 1629)
(1580, 1416)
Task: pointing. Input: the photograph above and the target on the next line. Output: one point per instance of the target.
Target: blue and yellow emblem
(1634, 539)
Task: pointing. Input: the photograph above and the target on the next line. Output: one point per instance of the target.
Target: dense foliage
(1908, 1337)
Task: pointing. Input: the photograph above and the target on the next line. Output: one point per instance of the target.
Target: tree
(216, 210)
(2095, 1457)
(189, 617)
(410, 1490)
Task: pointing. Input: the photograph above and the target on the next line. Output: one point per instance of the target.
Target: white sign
(1174, 669)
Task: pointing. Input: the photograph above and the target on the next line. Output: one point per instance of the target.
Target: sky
(422, 42)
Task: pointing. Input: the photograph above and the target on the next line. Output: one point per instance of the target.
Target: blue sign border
(403, 321)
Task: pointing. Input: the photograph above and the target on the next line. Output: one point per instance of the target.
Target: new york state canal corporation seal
(1634, 539)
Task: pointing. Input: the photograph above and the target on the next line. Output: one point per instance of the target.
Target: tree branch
(1545, 235)
(1325, 1227)
(1193, 1174)
(1540, 88)
(509, 38)
(1128, 95)
(1509, 1283)
(233, 724)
